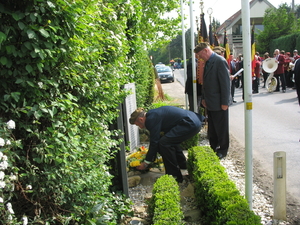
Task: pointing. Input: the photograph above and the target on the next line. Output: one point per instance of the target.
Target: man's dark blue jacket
(173, 121)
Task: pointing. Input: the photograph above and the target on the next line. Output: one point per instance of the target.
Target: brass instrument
(270, 66)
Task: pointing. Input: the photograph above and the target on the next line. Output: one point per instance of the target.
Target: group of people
(179, 125)
(284, 73)
(215, 93)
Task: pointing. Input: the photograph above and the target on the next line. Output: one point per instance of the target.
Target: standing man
(295, 55)
(178, 125)
(256, 75)
(232, 71)
(279, 73)
(189, 87)
(215, 97)
(297, 78)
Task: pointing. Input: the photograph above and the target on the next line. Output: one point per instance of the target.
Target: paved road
(275, 127)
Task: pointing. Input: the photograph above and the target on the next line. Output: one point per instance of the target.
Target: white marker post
(279, 201)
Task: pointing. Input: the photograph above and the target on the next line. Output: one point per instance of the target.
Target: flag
(253, 50)
(226, 46)
(202, 37)
(216, 40)
(252, 43)
(211, 42)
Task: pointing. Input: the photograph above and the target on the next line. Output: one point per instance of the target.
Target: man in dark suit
(297, 78)
(215, 97)
(189, 87)
(178, 125)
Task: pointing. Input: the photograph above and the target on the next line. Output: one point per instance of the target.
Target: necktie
(206, 66)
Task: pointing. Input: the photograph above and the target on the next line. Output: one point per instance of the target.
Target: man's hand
(143, 166)
(203, 102)
(224, 107)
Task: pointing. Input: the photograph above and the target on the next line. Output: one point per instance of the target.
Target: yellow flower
(135, 163)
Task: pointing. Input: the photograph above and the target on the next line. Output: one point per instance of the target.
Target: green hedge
(219, 200)
(62, 68)
(287, 43)
(164, 207)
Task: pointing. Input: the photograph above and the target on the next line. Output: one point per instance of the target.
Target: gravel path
(262, 201)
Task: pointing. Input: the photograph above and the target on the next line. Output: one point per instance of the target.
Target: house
(233, 25)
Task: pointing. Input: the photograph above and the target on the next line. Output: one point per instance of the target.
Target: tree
(277, 23)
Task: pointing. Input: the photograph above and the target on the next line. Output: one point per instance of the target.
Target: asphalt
(175, 90)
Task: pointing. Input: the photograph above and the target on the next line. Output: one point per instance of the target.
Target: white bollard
(279, 201)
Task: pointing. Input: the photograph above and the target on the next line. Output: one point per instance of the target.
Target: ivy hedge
(63, 65)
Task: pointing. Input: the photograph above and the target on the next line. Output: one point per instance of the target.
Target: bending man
(177, 125)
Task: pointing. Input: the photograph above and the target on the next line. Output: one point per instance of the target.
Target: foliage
(158, 104)
(287, 43)
(62, 67)
(277, 23)
(164, 207)
(219, 200)
(192, 142)
(174, 48)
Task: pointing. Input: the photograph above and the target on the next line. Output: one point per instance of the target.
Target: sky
(222, 9)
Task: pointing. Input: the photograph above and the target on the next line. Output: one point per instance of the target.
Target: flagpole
(184, 50)
(247, 100)
(193, 56)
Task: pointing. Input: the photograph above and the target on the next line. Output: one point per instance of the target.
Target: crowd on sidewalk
(285, 74)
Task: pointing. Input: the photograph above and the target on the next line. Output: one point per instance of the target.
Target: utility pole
(295, 13)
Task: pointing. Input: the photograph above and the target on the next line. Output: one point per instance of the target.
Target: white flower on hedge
(9, 208)
(4, 158)
(12, 177)
(1, 155)
(2, 142)
(11, 124)
(9, 217)
(3, 165)
(1, 200)
(2, 184)
(25, 220)
(8, 142)
(40, 84)
(2, 174)
(29, 187)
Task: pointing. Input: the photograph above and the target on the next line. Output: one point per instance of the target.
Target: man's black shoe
(220, 155)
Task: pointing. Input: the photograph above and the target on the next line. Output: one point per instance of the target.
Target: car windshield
(163, 69)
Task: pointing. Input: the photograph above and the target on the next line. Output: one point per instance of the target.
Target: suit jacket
(216, 83)
(297, 72)
(173, 121)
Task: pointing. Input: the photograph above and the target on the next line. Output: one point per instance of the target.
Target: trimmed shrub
(219, 200)
(164, 207)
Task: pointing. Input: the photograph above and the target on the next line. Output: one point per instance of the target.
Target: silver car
(165, 74)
